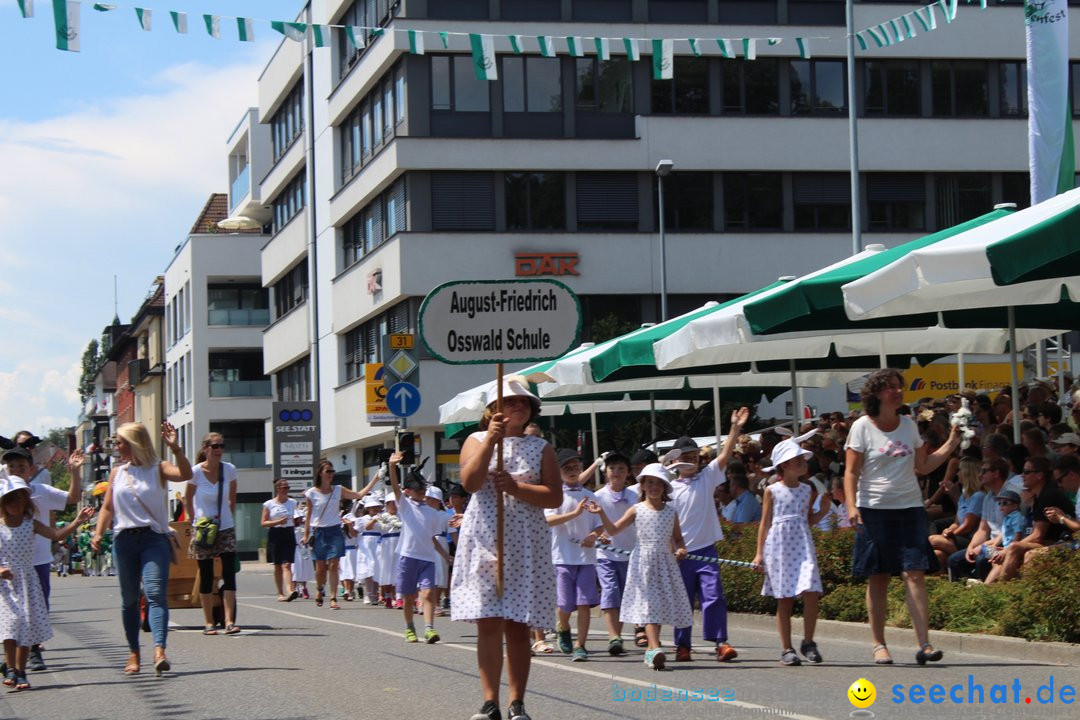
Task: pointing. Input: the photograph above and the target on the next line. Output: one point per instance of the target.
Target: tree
(91, 363)
(609, 326)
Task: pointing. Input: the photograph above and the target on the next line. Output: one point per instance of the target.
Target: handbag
(206, 530)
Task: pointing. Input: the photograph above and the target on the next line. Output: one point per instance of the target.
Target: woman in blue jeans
(135, 506)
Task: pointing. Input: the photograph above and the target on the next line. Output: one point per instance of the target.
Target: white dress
(528, 573)
(655, 591)
(386, 552)
(303, 569)
(24, 617)
(369, 541)
(790, 560)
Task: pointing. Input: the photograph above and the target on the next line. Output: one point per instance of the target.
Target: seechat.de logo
(918, 384)
(295, 416)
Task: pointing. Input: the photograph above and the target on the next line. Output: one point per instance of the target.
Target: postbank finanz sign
(489, 321)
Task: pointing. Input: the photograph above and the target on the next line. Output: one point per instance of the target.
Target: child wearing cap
(654, 594)
(433, 496)
(573, 551)
(368, 526)
(386, 553)
(1012, 529)
(785, 549)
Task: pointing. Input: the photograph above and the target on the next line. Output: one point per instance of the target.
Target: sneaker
(790, 658)
(615, 647)
(488, 711)
(36, 661)
(580, 655)
(655, 659)
(725, 653)
(367, 601)
(810, 651)
(682, 654)
(399, 604)
(516, 711)
(410, 635)
(565, 642)
(430, 636)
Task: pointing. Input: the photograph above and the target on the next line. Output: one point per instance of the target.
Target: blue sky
(109, 155)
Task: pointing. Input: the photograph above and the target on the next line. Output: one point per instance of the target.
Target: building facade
(391, 172)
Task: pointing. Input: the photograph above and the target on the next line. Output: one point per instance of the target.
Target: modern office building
(215, 311)
(389, 172)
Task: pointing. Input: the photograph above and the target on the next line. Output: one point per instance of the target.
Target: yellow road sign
(402, 341)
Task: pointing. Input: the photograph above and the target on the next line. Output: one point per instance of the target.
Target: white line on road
(777, 712)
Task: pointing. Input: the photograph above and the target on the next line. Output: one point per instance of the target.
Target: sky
(107, 155)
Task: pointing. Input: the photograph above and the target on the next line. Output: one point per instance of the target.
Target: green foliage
(609, 326)
(845, 602)
(91, 363)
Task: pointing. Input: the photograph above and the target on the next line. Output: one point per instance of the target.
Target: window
(604, 85)
(601, 10)
(753, 201)
(960, 88)
(237, 304)
(181, 307)
(607, 201)
(891, 87)
(897, 201)
(399, 93)
(181, 381)
(363, 343)
(531, 84)
(292, 381)
(1074, 73)
(817, 87)
(462, 201)
(454, 85)
(238, 374)
(535, 201)
(1012, 88)
(530, 10)
(748, 12)
(960, 197)
(751, 87)
(458, 10)
(1016, 188)
(688, 201)
(291, 290)
(362, 14)
(372, 124)
(287, 123)
(687, 93)
(679, 11)
(245, 442)
(289, 202)
(816, 12)
(822, 201)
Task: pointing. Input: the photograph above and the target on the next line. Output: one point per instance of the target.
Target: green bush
(845, 602)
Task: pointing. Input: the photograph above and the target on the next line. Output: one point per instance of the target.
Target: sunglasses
(216, 446)
(1030, 472)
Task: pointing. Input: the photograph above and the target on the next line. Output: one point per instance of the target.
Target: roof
(216, 210)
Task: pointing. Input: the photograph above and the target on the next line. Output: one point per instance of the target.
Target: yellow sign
(940, 381)
(402, 341)
(375, 394)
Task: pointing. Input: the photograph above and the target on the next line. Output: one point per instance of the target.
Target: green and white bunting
(26, 8)
(179, 21)
(663, 59)
(244, 30)
(320, 35)
(603, 48)
(695, 46)
(146, 18)
(547, 47)
(862, 41)
(213, 25)
(416, 42)
(727, 50)
(105, 7)
(66, 20)
(296, 31)
(804, 47)
(354, 34)
(483, 52)
(575, 47)
(749, 48)
(633, 48)
(444, 38)
(515, 44)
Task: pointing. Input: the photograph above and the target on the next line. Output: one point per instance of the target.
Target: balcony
(240, 188)
(257, 317)
(239, 388)
(249, 158)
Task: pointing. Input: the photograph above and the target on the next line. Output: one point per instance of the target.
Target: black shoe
(922, 656)
(36, 661)
(488, 711)
(810, 651)
(790, 658)
(517, 711)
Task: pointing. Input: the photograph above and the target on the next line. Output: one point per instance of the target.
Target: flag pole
(498, 494)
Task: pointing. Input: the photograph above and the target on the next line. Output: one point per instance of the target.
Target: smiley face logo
(862, 693)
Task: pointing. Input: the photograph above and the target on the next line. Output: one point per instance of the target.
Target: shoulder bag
(206, 530)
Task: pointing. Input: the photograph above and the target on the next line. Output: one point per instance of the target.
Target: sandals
(640, 639)
(209, 630)
(542, 647)
(231, 629)
(132, 667)
(887, 660)
(161, 664)
(319, 599)
(922, 656)
(10, 674)
(292, 596)
(334, 604)
(21, 683)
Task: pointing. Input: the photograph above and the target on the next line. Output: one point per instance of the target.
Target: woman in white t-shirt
(277, 515)
(885, 506)
(328, 540)
(213, 479)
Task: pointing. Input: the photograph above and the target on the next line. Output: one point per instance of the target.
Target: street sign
(403, 399)
(375, 395)
(402, 341)
(402, 364)
(494, 321)
(295, 439)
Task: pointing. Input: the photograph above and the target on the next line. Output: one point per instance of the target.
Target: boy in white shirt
(611, 567)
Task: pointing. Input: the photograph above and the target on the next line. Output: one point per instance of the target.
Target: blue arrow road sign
(403, 399)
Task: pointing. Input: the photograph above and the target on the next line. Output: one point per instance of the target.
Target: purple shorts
(575, 585)
(413, 573)
(612, 574)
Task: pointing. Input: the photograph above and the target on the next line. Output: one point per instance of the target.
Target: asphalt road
(298, 661)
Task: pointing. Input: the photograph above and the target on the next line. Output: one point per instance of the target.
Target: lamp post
(663, 169)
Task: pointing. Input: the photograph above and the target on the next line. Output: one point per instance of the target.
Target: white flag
(483, 52)
(1051, 157)
(662, 59)
(66, 18)
(179, 21)
(145, 17)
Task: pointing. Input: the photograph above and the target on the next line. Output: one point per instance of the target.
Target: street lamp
(663, 169)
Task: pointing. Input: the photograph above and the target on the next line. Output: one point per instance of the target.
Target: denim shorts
(892, 541)
(328, 543)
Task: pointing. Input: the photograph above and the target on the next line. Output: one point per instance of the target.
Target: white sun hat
(372, 501)
(790, 449)
(657, 471)
(12, 483)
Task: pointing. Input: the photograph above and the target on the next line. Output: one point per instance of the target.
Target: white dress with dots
(790, 560)
(24, 616)
(655, 591)
(529, 576)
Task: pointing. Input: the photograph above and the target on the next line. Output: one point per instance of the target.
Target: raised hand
(76, 460)
(168, 434)
(740, 417)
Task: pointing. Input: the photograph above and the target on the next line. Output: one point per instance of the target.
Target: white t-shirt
(887, 481)
(137, 492)
(277, 510)
(419, 524)
(46, 499)
(564, 552)
(44, 478)
(696, 507)
(615, 509)
(206, 494)
(321, 515)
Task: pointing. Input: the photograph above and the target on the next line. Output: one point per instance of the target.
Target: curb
(1050, 653)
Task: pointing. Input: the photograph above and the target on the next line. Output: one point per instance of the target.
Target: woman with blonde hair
(969, 504)
(136, 507)
(211, 493)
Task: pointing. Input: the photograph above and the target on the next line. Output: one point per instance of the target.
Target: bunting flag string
(883, 34)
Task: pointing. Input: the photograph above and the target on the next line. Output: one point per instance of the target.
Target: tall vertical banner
(1050, 137)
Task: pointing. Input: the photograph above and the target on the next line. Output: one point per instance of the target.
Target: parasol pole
(498, 494)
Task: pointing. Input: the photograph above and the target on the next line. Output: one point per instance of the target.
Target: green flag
(213, 25)
(662, 59)
(26, 7)
(66, 19)
(294, 30)
(145, 18)
(179, 21)
(483, 51)
(244, 30)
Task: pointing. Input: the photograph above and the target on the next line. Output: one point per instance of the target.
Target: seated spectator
(1067, 476)
(744, 508)
(837, 517)
(1049, 413)
(974, 561)
(1045, 494)
(969, 508)
(1067, 444)
(1012, 529)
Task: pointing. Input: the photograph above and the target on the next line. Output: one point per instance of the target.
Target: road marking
(777, 712)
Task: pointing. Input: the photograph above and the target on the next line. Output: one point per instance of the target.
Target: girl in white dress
(785, 549)
(303, 565)
(368, 527)
(24, 617)
(655, 593)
